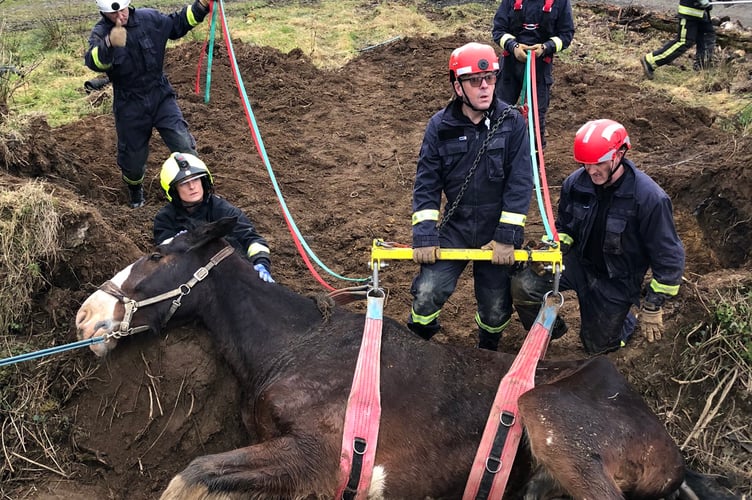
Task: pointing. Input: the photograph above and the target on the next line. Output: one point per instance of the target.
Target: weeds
(715, 364)
(28, 234)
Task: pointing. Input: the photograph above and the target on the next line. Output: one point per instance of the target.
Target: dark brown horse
(589, 435)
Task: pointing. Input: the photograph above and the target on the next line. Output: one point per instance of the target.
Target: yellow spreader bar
(381, 251)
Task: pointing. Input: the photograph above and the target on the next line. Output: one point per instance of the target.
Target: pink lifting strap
(361, 429)
(489, 474)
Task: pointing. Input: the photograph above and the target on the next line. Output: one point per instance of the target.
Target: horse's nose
(85, 322)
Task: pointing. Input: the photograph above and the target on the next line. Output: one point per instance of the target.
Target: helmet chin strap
(612, 171)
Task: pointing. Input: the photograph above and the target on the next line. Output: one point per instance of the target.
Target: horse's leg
(279, 468)
(597, 437)
(543, 487)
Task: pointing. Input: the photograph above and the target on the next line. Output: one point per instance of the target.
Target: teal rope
(52, 350)
(262, 152)
(210, 55)
(533, 154)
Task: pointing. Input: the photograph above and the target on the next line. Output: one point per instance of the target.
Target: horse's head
(149, 292)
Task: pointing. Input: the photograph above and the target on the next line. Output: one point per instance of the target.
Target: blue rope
(210, 54)
(52, 350)
(533, 152)
(265, 158)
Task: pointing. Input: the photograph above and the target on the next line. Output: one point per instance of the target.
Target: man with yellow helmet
(189, 188)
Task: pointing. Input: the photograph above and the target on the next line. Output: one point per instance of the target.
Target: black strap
(493, 461)
(359, 449)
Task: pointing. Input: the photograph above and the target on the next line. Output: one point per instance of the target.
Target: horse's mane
(324, 303)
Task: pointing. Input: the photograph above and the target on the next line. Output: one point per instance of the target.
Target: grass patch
(29, 226)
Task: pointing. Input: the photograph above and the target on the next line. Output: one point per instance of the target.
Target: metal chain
(470, 172)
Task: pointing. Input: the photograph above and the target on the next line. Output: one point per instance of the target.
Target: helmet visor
(189, 178)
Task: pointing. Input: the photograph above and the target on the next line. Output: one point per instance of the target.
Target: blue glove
(264, 273)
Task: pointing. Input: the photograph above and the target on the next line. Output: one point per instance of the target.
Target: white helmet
(112, 5)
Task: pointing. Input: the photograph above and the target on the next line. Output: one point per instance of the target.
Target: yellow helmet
(180, 167)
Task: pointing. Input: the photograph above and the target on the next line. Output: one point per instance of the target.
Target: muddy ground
(342, 145)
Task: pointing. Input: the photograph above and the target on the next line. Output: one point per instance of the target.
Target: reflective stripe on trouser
(604, 303)
(434, 284)
(689, 33)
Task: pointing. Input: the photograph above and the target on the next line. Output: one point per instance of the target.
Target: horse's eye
(155, 256)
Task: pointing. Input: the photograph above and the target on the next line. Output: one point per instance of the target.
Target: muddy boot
(136, 196)
(488, 340)
(559, 329)
(425, 331)
(705, 52)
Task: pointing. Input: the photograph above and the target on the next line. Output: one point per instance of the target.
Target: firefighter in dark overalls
(545, 26)
(614, 223)
(695, 28)
(129, 45)
(475, 151)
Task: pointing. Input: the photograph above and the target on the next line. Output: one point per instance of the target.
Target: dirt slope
(342, 145)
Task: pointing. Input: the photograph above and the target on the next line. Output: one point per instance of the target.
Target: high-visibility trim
(670, 290)
(423, 320)
(559, 44)
(191, 17)
(130, 182)
(691, 11)
(255, 248)
(423, 215)
(491, 329)
(505, 39)
(99, 64)
(513, 218)
(565, 239)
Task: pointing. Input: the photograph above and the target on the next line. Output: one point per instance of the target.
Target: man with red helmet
(614, 223)
(476, 151)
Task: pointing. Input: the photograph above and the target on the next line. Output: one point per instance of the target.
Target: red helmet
(472, 58)
(598, 140)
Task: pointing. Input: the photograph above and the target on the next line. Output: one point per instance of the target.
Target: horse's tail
(698, 486)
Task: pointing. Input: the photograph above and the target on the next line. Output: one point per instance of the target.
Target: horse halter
(131, 306)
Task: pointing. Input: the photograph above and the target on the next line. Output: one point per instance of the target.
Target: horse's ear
(208, 232)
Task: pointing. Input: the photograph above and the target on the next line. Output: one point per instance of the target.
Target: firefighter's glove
(204, 3)
(264, 273)
(503, 255)
(519, 52)
(426, 255)
(651, 321)
(703, 4)
(118, 35)
(539, 50)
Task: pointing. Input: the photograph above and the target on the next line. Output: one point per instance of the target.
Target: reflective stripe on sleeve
(422, 215)
(565, 239)
(512, 218)
(559, 44)
(97, 62)
(255, 248)
(670, 290)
